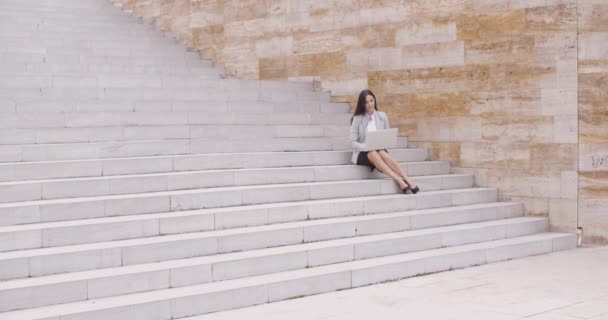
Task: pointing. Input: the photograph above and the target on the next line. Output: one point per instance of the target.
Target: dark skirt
(363, 160)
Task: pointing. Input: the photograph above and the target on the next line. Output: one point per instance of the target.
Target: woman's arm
(354, 135)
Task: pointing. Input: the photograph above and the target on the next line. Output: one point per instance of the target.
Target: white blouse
(371, 126)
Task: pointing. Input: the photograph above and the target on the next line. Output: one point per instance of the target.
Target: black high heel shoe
(407, 187)
(415, 190)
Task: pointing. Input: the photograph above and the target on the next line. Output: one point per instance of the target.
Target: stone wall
(593, 119)
(496, 86)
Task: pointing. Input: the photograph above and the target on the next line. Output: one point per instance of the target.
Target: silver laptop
(381, 139)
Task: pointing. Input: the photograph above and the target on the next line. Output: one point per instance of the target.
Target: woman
(368, 118)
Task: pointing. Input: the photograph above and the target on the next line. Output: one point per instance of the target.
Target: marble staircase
(138, 181)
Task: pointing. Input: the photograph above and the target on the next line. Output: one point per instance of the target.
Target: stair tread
(167, 294)
(187, 172)
(206, 190)
(187, 236)
(191, 155)
(118, 219)
(174, 214)
(223, 257)
(172, 139)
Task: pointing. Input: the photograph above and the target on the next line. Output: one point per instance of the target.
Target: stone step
(69, 14)
(58, 18)
(38, 23)
(148, 248)
(100, 82)
(57, 5)
(15, 7)
(243, 292)
(205, 68)
(232, 84)
(42, 24)
(32, 29)
(237, 114)
(178, 163)
(100, 32)
(88, 50)
(368, 241)
(111, 39)
(132, 94)
(92, 150)
(128, 184)
(60, 5)
(22, 17)
(150, 39)
(35, 90)
(171, 132)
(291, 92)
(124, 59)
(178, 200)
(50, 234)
(67, 18)
(52, 45)
(42, 113)
(34, 57)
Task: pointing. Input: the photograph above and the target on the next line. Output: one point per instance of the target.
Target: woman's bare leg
(388, 159)
(376, 159)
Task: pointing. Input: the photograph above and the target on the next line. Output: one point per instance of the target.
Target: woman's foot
(415, 190)
(404, 186)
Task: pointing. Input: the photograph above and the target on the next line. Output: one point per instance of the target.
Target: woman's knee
(373, 156)
(384, 155)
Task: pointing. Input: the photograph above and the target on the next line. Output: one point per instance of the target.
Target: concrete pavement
(569, 285)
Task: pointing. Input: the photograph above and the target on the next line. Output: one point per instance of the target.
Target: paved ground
(570, 285)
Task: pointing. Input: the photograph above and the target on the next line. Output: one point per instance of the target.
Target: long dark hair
(361, 103)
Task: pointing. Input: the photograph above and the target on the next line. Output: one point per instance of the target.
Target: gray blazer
(358, 131)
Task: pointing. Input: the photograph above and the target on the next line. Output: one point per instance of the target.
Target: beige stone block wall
(510, 90)
(593, 119)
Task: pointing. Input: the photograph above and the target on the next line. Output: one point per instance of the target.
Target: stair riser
(200, 245)
(81, 55)
(197, 180)
(84, 70)
(50, 152)
(109, 167)
(161, 42)
(104, 16)
(95, 56)
(107, 258)
(111, 82)
(95, 39)
(107, 33)
(228, 114)
(44, 46)
(113, 101)
(60, 6)
(200, 199)
(232, 269)
(134, 133)
(111, 86)
(189, 305)
(40, 49)
(199, 221)
(114, 113)
(206, 93)
(265, 87)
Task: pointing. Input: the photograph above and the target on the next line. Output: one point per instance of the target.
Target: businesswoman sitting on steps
(368, 118)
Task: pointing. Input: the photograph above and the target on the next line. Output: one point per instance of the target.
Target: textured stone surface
(512, 91)
(593, 120)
